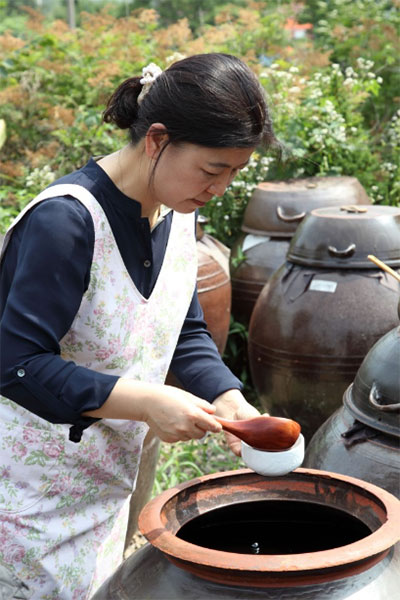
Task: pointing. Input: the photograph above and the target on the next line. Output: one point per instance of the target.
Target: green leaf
(37, 457)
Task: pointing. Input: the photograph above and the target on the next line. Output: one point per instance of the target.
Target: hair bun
(122, 107)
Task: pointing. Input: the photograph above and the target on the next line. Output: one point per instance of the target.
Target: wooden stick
(383, 266)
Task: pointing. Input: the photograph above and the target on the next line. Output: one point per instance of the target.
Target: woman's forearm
(172, 413)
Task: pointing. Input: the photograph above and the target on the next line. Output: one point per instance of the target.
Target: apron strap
(62, 189)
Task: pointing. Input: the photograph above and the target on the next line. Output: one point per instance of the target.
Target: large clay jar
(362, 438)
(322, 311)
(237, 535)
(270, 220)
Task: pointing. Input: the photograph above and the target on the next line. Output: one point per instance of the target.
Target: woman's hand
(173, 414)
(176, 415)
(233, 405)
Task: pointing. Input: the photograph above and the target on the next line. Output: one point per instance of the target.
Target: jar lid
(343, 237)
(277, 207)
(374, 396)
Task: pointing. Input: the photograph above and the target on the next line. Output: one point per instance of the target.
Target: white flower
(40, 177)
(364, 63)
(150, 73)
(350, 72)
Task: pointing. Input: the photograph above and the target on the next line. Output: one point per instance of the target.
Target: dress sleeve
(45, 272)
(197, 363)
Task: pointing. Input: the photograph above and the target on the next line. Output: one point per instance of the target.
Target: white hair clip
(150, 74)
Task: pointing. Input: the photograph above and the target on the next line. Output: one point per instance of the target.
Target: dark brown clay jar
(375, 458)
(343, 237)
(309, 333)
(271, 218)
(363, 437)
(374, 397)
(202, 545)
(263, 255)
(277, 207)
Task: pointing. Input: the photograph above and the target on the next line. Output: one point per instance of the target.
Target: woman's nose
(217, 188)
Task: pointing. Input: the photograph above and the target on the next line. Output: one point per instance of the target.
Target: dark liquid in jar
(274, 527)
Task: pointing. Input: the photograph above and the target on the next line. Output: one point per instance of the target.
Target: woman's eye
(210, 174)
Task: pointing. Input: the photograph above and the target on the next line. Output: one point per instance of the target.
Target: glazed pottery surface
(365, 567)
(277, 207)
(309, 333)
(376, 459)
(374, 397)
(343, 237)
(262, 255)
(271, 218)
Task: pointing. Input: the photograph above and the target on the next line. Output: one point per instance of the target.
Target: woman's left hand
(233, 405)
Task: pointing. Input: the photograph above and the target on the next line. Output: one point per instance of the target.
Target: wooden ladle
(384, 266)
(264, 432)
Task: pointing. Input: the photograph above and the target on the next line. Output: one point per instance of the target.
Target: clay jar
(310, 534)
(270, 220)
(362, 437)
(322, 311)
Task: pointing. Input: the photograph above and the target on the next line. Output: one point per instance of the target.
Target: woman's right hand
(176, 415)
(173, 414)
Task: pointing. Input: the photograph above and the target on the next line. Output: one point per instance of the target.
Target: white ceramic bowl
(271, 463)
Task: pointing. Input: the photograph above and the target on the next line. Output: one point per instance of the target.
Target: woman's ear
(156, 138)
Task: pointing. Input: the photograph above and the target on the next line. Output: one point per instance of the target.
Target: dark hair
(212, 100)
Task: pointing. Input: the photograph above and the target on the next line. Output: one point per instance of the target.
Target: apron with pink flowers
(64, 506)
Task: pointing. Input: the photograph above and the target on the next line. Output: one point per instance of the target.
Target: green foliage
(364, 28)
(320, 120)
(182, 461)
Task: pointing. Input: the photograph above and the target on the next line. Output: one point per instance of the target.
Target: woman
(98, 302)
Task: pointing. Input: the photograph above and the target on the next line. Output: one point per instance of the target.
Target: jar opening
(274, 527)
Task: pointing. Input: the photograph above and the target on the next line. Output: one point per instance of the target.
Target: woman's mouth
(199, 202)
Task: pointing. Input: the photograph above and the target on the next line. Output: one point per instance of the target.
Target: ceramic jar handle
(349, 251)
(289, 218)
(374, 400)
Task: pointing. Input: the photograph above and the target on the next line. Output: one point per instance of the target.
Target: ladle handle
(384, 266)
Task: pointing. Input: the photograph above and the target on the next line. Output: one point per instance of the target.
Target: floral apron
(64, 506)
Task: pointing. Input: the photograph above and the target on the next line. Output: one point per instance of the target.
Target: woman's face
(188, 176)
